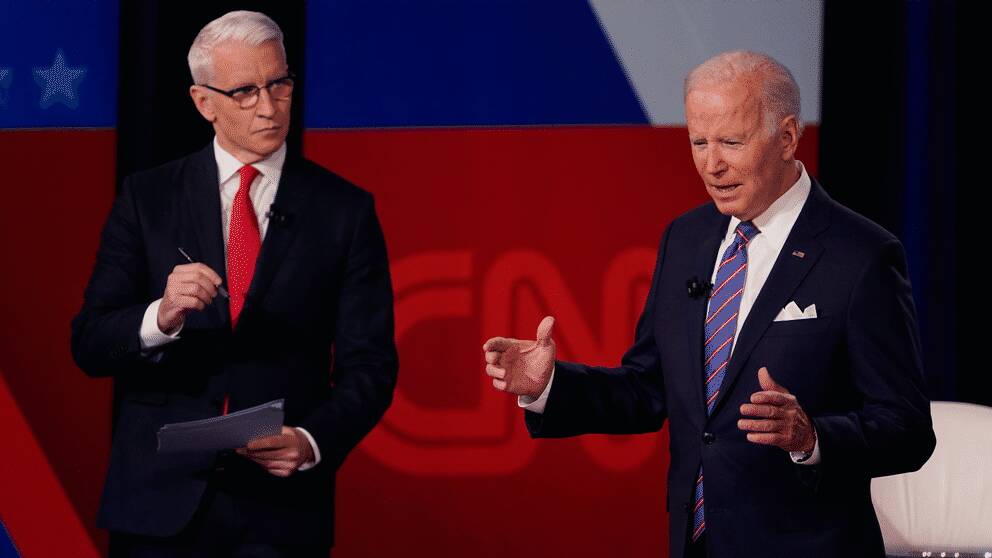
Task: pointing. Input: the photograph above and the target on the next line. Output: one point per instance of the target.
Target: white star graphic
(59, 82)
(5, 79)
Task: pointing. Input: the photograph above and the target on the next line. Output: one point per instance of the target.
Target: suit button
(708, 438)
(685, 506)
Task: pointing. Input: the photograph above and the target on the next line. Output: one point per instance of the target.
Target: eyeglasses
(247, 96)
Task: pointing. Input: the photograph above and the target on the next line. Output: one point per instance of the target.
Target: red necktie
(243, 243)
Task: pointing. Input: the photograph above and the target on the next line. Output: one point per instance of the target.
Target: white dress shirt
(775, 224)
(262, 193)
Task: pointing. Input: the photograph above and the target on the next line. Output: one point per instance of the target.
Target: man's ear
(202, 102)
(788, 134)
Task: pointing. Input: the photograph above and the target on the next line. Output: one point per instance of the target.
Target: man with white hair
(779, 339)
(226, 279)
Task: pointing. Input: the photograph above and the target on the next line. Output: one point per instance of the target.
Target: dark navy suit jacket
(320, 297)
(855, 369)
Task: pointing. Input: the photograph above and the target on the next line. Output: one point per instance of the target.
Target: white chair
(946, 506)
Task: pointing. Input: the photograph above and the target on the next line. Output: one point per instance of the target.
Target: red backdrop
(488, 230)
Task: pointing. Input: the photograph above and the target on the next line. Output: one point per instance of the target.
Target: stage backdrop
(525, 157)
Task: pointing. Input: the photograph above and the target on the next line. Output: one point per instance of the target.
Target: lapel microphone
(698, 289)
(277, 216)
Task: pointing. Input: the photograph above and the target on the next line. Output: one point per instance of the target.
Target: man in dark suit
(302, 256)
(779, 339)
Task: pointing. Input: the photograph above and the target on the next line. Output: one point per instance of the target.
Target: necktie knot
(745, 232)
(248, 174)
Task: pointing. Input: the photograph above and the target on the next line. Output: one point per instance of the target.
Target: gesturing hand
(522, 367)
(189, 287)
(784, 423)
(281, 454)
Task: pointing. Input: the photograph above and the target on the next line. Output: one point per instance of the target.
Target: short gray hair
(252, 28)
(778, 89)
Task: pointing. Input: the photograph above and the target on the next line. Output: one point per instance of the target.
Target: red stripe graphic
(34, 506)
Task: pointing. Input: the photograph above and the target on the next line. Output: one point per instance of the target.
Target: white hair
(778, 90)
(252, 28)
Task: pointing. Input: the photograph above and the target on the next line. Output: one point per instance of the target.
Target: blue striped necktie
(721, 324)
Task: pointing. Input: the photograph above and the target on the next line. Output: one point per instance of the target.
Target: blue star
(5, 79)
(60, 82)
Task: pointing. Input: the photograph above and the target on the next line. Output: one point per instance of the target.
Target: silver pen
(220, 288)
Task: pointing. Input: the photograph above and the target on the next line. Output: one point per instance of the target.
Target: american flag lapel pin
(799, 254)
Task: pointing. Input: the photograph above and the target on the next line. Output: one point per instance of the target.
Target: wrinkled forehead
(237, 63)
(723, 108)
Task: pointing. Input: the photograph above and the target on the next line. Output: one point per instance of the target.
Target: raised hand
(522, 367)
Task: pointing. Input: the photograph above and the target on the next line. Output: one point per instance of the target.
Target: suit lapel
(291, 197)
(696, 307)
(202, 200)
(786, 275)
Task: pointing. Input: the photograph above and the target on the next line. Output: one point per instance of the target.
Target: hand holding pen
(189, 287)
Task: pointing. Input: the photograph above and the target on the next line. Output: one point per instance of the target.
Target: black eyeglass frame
(253, 90)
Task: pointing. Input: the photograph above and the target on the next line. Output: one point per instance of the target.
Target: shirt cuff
(316, 452)
(537, 405)
(814, 457)
(150, 335)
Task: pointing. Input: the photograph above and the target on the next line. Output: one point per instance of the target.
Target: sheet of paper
(226, 432)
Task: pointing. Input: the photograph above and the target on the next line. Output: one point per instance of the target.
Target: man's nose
(715, 165)
(265, 105)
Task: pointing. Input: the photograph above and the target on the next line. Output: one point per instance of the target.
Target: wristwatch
(802, 456)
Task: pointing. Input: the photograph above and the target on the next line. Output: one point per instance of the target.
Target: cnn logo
(490, 438)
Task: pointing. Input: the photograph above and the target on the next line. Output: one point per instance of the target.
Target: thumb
(544, 331)
(767, 383)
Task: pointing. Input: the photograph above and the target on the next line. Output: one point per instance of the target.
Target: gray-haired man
(290, 266)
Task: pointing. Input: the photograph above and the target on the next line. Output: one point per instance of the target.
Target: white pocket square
(792, 312)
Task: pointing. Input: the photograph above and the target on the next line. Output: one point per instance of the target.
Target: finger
(499, 384)
(495, 372)
(198, 290)
(770, 398)
(183, 268)
(276, 465)
(187, 302)
(498, 344)
(265, 461)
(767, 439)
(764, 411)
(492, 357)
(544, 331)
(282, 472)
(266, 452)
(268, 456)
(269, 442)
(184, 284)
(209, 273)
(201, 280)
(759, 425)
(767, 382)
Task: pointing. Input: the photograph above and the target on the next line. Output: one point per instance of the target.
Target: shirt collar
(776, 222)
(228, 165)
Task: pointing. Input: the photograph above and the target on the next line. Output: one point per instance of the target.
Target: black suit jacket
(855, 369)
(320, 298)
